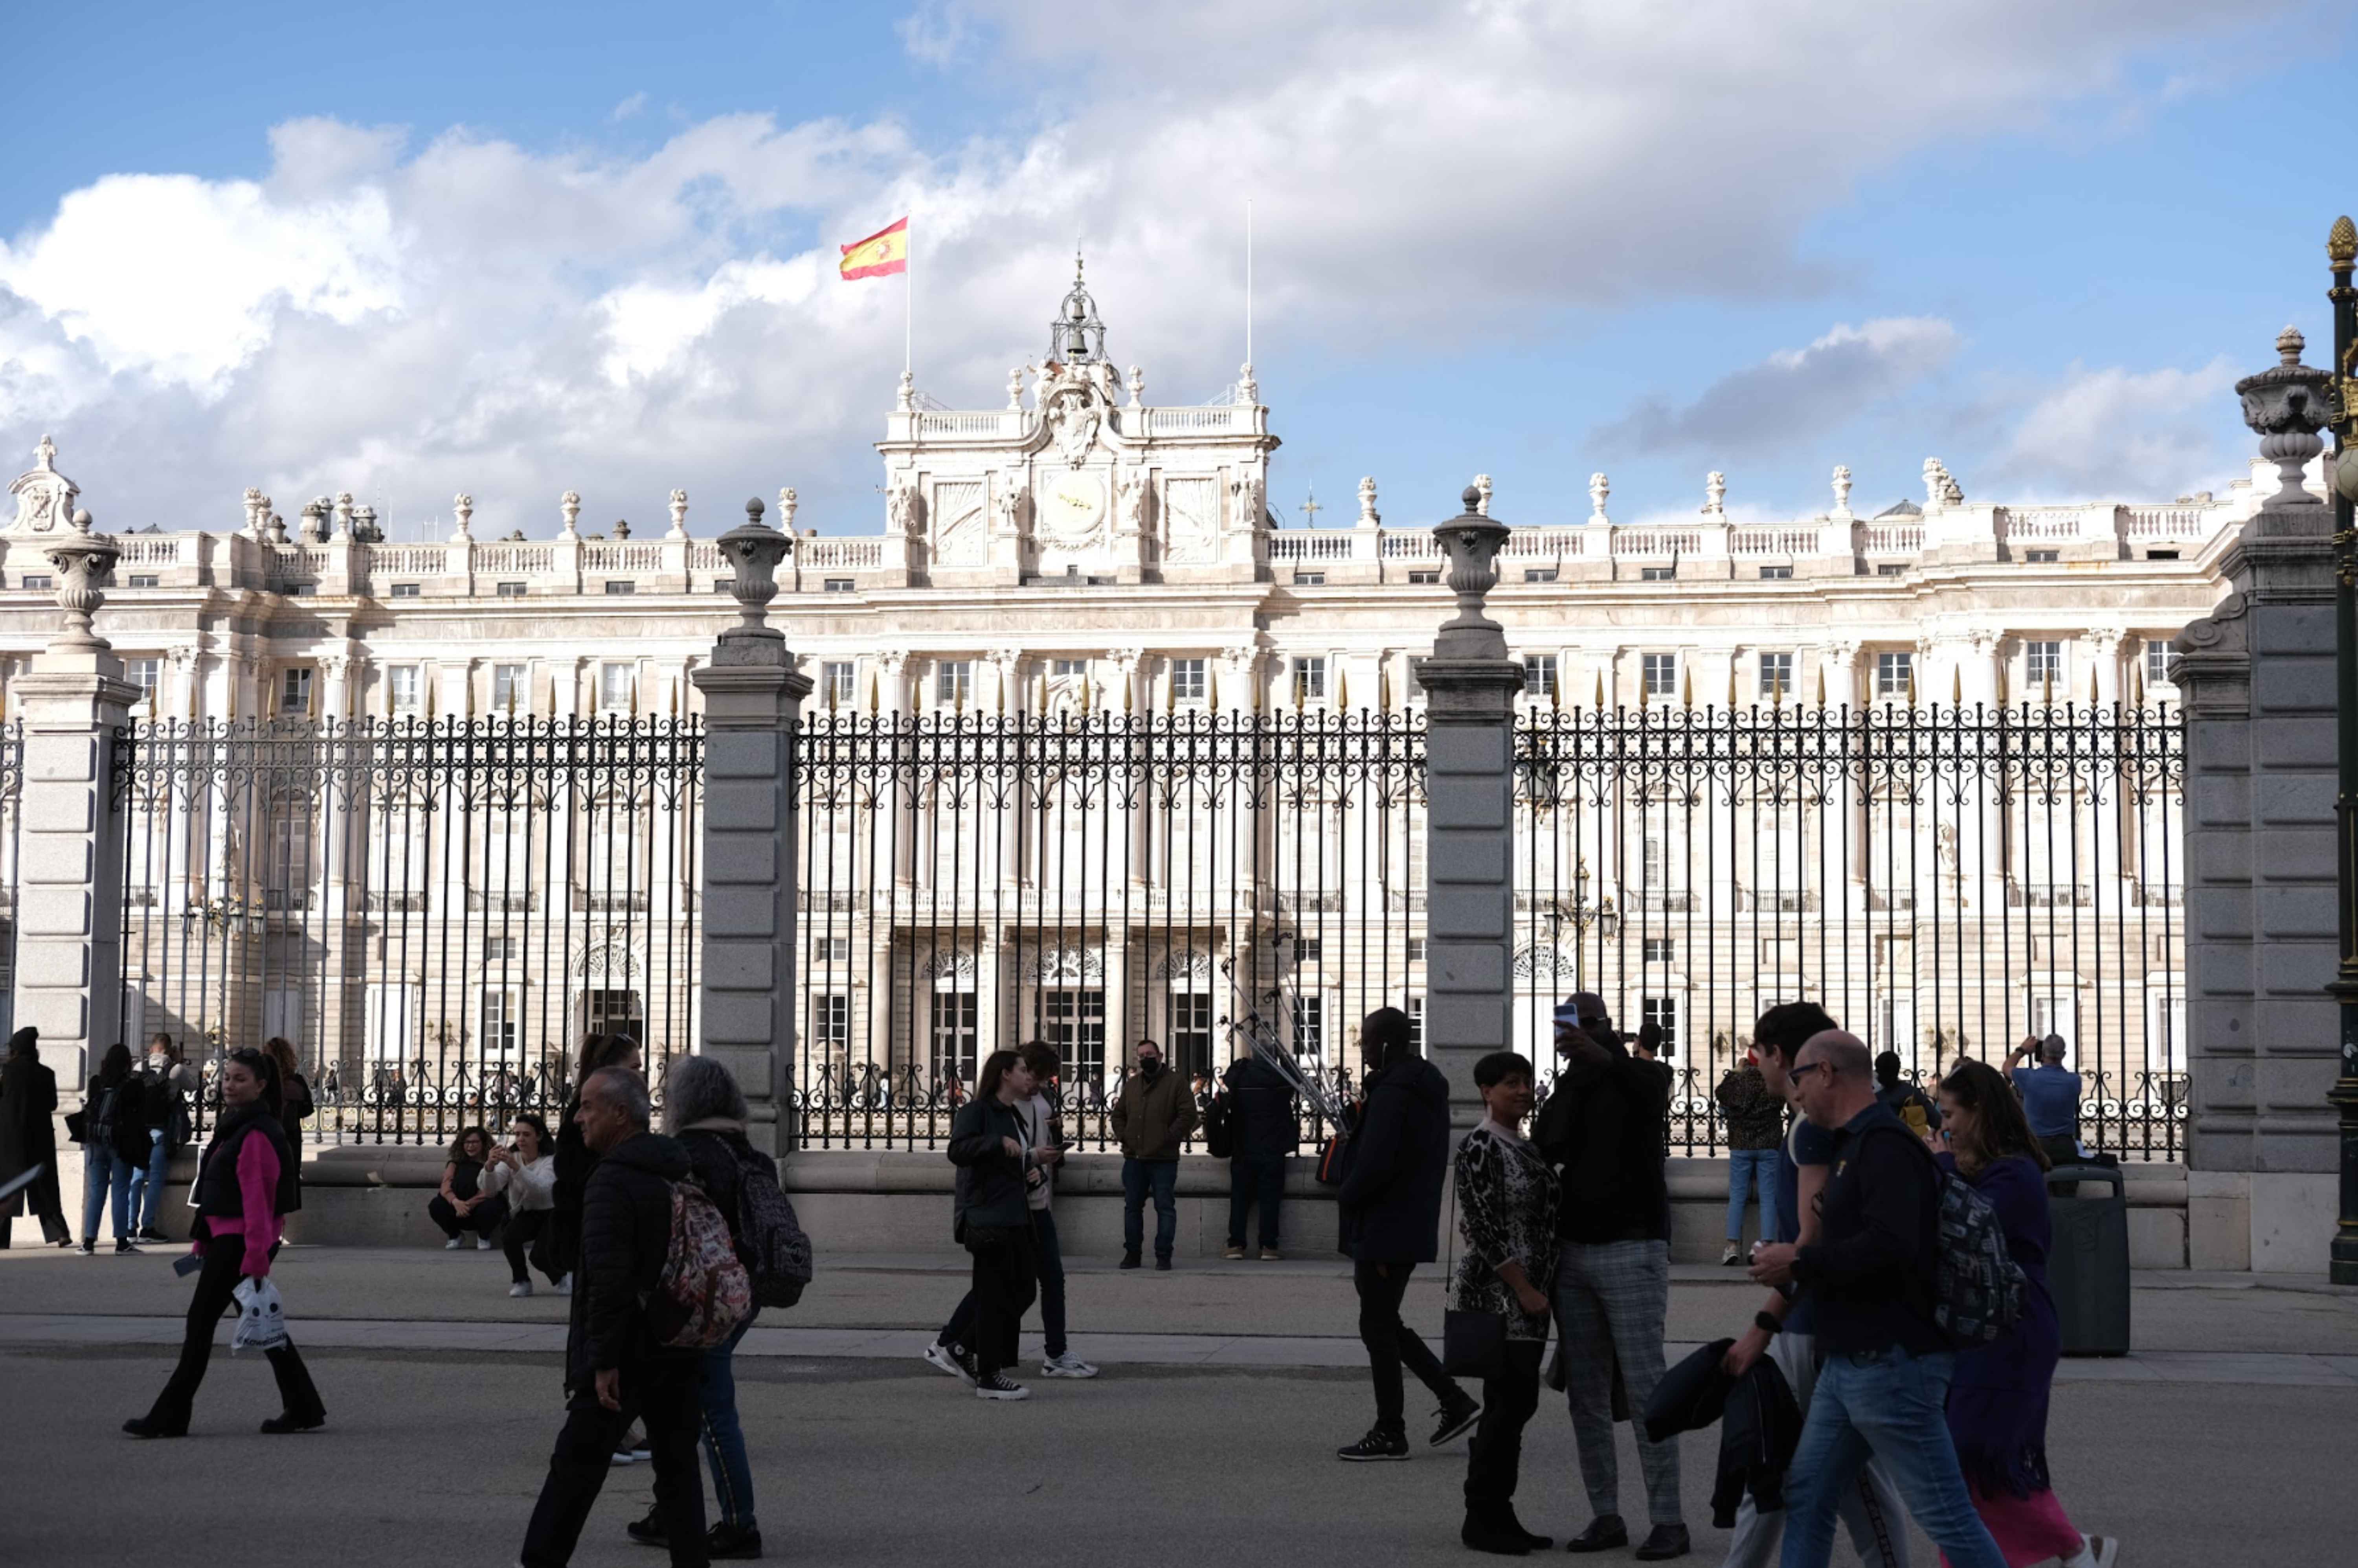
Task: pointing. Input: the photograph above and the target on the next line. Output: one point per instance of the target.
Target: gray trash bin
(2089, 1267)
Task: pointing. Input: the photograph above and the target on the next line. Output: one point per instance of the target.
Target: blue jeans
(1162, 1176)
(724, 1439)
(104, 1173)
(1892, 1406)
(1255, 1178)
(1748, 1169)
(148, 1182)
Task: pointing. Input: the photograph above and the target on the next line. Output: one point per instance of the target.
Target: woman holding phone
(244, 1185)
(524, 1172)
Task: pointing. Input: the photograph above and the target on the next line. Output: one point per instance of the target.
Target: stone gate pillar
(752, 702)
(69, 853)
(2257, 673)
(1470, 687)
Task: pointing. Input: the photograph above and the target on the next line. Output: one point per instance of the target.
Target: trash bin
(2088, 1269)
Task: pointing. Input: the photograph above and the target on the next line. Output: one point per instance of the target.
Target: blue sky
(521, 248)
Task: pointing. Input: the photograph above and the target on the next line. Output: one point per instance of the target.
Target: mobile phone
(188, 1265)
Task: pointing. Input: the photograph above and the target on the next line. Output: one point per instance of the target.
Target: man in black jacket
(1262, 1103)
(1883, 1387)
(1389, 1214)
(1602, 1128)
(611, 1353)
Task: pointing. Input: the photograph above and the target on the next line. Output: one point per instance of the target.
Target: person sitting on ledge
(463, 1204)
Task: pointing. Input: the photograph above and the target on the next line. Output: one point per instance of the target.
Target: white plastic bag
(261, 1319)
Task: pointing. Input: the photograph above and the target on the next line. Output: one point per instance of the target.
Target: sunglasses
(1798, 1074)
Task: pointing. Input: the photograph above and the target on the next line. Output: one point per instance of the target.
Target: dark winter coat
(29, 1135)
(1390, 1202)
(625, 1237)
(125, 1123)
(1153, 1116)
(1602, 1130)
(989, 1189)
(216, 1193)
(1759, 1425)
(1261, 1102)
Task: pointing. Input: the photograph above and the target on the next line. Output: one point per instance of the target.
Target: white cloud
(627, 108)
(2111, 431)
(473, 314)
(1794, 392)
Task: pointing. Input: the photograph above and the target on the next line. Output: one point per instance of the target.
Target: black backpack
(1220, 1127)
(771, 1241)
(1978, 1290)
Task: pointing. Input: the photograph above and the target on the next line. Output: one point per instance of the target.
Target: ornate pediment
(45, 498)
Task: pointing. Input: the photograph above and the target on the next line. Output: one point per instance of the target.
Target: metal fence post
(752, 702)
(1470, 686)
(2258, 674)
(69, 977)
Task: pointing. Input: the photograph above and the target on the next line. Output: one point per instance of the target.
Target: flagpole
(909, 300)
(1249, 278)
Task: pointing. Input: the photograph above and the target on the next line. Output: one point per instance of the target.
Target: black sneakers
(1130, 1259)
(1455, 1421)
(1378, 1444)
(999, 1386)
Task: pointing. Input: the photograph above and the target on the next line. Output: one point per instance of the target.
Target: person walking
(1506, 1216)
(28, 1139)
(165, 1082)
(1602, 1131)
(244, 1185)
(1042, 1135)
(704, 1110)
(612, 1355)
(1756, 1129)
(1152, 1117)
(1389, 1212)
(1903, 1098)
(1997, 1403)
(1262, 1110)
(575, 1158)
(1783, 1329)
(462, 1204)
(1884, 1385)
(523, 1174)
(2051, 1098)
(992, 1217)
(295, 1092)
(110, 1112)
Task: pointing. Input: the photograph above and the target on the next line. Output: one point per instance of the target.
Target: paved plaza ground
(2222, 1440)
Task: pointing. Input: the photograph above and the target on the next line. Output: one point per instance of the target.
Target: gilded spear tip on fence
(1599, 703)
(1342, 691)
(2342, 243)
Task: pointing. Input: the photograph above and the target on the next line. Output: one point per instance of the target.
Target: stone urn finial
(568, 506)
(787, 501)
(756, 549)
(82, 561)
(462, 507)
(1599, 487)
(1715, 494)
(2286, 406)
(1841, 491)
(1369, 516)
(678, 514)
(1472, 542)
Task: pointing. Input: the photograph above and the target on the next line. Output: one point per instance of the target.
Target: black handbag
(1472, 1344)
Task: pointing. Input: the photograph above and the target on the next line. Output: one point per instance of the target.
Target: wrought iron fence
(434, 912)
(971, 881)
(1944, 881)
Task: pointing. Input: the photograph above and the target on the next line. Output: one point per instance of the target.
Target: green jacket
(1152, 1120)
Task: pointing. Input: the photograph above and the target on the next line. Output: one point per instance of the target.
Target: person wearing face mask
(1152, 1119)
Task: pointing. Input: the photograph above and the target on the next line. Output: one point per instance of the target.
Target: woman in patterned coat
(1506, 1219)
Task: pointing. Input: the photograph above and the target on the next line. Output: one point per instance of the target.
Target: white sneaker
(482, 1244)
(998, 1387)
(521, 1288)
(563, 1287)
(454, 1244)
(623, 1456)
(1067, 1365)
(2100, 1550)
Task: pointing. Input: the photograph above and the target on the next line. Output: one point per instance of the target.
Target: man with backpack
(1873, 1280)
(1262, 1132)
(617, 1351)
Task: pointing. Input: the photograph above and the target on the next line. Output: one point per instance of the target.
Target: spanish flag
(880, 255)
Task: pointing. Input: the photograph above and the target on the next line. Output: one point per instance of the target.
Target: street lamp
(2342, 251)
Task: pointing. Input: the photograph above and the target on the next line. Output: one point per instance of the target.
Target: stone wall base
(900, 1202)
(2266, 1222)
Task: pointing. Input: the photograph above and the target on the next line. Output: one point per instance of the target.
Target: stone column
(2258, 678)
(69, 930)
(752, 701)
(1470, 687)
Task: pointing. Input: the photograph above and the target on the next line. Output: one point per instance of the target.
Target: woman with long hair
(523, 1173)
(464, 1202)
(992, 1219)
(294, 1099)
(244, 1185)
(110, 1114)
(1997, 1401)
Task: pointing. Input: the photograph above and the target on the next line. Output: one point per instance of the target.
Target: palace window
(1538, 574)
(1309, 1028)
(2156, 661)
(953, 681)
(1775, 574)
(510, 690)
(510, 591)
(1072, 668)
(616, 587)
(1539, 674)
(405, 591)
(1416, 577)
(295, 690)
(840, 585)
(1187, 680)
(146, 579)
(401, 688)
(614, 688)
(1895, 673)
(36, 581)
(1662, 673)
(2042, 662)
(1309, 681)
(1658, 574)
(1661, 949)
(834, 680)
(144, 673)
(1891, 568)
(1775, 676)
(1306, 950)
(2042, 557)
(1310, 580)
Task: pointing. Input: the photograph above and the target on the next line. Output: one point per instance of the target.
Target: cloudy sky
(520, 248)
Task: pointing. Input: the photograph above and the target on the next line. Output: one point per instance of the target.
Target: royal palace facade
(1082, 554)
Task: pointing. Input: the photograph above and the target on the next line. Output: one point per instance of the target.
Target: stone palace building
(1083, 546)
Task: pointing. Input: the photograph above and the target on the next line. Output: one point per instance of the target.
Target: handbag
(261, 1319)
(1473, 1342)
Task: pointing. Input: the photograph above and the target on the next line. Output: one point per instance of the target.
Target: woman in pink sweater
(245, 1185)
